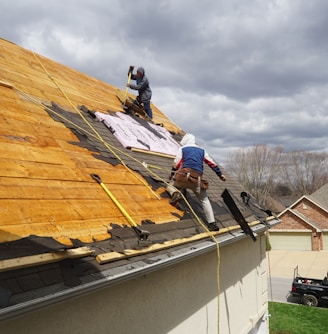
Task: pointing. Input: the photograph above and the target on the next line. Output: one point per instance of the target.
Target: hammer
(142, 234)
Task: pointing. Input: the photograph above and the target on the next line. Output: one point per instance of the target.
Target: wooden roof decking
(46, 188)
(49, 146)
(48, 152)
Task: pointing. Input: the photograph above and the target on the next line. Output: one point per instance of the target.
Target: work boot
(175, 198)
(212, 227)
(128, 110)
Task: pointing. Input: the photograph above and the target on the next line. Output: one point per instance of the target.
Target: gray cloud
(235, 73)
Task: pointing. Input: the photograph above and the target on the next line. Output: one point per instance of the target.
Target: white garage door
(325, 241)
(290, 240)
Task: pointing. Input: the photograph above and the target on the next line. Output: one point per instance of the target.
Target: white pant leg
(206, 205)
(170, 188)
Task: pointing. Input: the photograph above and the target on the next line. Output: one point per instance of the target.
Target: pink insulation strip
(132, 134)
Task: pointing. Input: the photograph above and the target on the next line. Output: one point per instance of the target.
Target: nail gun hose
(117, 203)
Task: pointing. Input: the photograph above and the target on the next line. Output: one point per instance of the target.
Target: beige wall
(243, 285)
(176, 300)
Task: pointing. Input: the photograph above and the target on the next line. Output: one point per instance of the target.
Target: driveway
(280, 268)
(311, 264)
(278, 289)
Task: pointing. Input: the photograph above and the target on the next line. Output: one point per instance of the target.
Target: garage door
(325, 241)
(290, 240)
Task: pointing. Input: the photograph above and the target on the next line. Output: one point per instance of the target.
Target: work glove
(219, 173)
(131, 68)
(222, 177)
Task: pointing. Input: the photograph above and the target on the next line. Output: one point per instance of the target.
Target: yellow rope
(111, 149)
(98, 136)
(210, 234)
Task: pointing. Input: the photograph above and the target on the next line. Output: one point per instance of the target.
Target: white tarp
(132, 134)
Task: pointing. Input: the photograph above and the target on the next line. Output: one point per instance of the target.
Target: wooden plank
(114, 256)
(40, 211)
(84, 230)
(40, 170)
(110, 174)
(10, 113)
(28, 188)
(67, 82)
(36, 211)
(27, 140)
(48, 129)
(6, 84)
(40, 188)
(51, 155)
(35, 260)
(82, 219)
(152, 153)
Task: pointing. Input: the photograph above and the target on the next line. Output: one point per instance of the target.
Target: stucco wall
(244, 292)
(179, 299)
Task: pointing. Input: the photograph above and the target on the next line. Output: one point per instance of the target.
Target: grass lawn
(297, 319)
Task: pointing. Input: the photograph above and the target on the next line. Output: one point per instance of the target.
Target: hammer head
(143, 238)
(142, 234)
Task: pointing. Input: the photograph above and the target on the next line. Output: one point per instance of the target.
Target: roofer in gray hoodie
(144, 91)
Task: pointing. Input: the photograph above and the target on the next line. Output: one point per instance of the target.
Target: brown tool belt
(188, 175)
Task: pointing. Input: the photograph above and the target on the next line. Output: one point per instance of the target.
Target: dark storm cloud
(235, 73)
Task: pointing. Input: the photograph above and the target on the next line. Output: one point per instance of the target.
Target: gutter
(128, 272)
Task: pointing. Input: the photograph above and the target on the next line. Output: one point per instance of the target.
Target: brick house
(304, 224)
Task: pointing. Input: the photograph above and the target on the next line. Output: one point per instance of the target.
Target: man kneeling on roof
(187, 173)
(143, 88)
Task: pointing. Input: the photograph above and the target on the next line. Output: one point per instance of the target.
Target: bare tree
(261, 170)
(305, 172)
(256, 168)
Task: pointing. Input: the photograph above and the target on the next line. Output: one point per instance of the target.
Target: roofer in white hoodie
(187, 173)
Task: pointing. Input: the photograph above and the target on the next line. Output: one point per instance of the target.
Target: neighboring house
(304, 225)
(74, 253)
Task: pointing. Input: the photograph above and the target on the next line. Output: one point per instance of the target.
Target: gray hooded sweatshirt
(142, 85)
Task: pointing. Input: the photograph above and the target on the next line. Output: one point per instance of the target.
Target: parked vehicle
(311, 291)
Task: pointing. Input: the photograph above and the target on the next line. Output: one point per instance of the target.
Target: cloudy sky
(235, 73)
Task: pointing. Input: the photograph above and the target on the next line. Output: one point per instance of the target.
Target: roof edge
(312, 200)
(177, 255)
